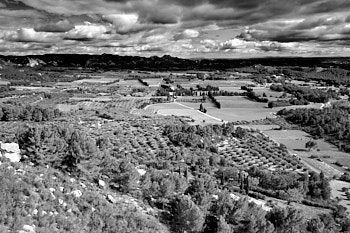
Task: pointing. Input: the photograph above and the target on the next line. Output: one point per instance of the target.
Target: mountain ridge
(166, 62)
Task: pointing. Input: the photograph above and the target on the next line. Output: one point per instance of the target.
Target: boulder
(27, 229)
(141, 171)
(10, 151)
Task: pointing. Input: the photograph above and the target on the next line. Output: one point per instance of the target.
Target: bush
(257, 195)
(316, 204)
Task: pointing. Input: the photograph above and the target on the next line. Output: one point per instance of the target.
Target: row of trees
(284, 103)
(214, 100)
(251, 95)
(143, 82)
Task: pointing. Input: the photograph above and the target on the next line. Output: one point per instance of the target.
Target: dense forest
(330, 76)
(27, 113)
(305, 93)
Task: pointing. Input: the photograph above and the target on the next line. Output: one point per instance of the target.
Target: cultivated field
(258, 151)
(323, 157)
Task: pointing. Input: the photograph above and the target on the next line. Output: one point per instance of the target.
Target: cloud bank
(197, 28)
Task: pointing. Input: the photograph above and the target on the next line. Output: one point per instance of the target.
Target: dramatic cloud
(88, 32)
(123, 23)
(161, 14)
(60, 26)
(188, 28)
(30, 35)
(186, 34)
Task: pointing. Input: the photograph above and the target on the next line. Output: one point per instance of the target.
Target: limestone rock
(10, 151)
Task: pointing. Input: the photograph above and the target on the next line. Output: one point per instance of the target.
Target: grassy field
(237, 108)
(239, 102)
(128, 83)
(240, 114)
(232, 89)
(44, 89)
(97, 99)
(153, 82)
(269, 93)
(102, 80)
(177, 109)
(337, 192)
(208, 105)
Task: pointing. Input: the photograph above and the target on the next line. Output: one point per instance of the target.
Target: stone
(27, 229)
(35, 212)
(141, 171)
(20, 171)
(53, 196)
(101, 183)
(77, 193)
(111, 199)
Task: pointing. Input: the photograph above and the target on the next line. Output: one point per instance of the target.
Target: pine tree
(223, 227)
(247, 185)
(187, 216)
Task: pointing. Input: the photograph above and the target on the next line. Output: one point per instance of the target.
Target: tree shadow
(301, 150)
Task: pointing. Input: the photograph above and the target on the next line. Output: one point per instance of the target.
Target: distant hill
(166, 62)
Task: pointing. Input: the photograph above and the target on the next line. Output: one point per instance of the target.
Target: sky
(182, 28)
